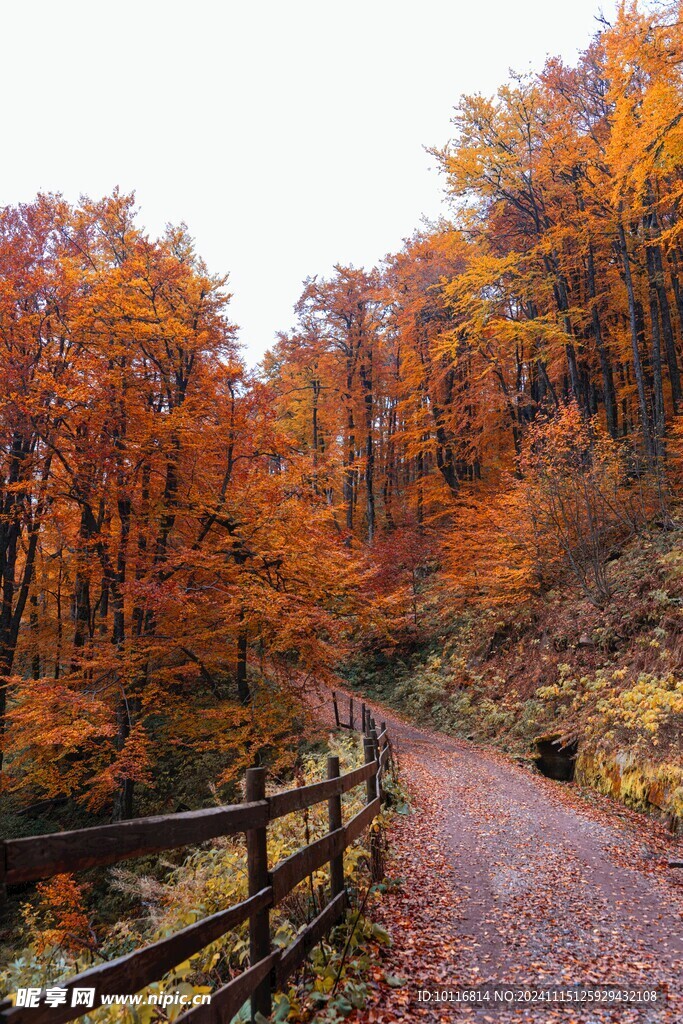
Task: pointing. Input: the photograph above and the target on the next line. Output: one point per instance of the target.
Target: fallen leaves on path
(510, 879)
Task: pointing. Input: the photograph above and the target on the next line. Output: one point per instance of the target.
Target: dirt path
(511, 879)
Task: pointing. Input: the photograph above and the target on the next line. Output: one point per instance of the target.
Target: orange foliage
(163, 543)
(59, 917)
(487, 412)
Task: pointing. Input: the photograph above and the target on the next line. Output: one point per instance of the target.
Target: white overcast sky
(288, 134)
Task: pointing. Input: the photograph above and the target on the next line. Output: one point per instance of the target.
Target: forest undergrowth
(602, 679)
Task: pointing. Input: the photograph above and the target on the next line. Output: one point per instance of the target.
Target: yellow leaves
(639, 712)
(643, 67)
(491, 153)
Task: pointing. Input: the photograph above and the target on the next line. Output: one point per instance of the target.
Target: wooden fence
(36, 857)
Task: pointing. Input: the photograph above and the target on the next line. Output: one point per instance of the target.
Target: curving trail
(512, 879)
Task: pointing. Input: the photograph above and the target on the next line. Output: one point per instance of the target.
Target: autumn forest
(454, 487)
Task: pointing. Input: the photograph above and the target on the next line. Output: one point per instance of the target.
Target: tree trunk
(367, 384)
(655, 270)
(35, 659)
(637, 362)
(657, 384)
(81, 598)
(15, 592)
(669, 339)
(561, 293)
(349, 471)
(608, 392)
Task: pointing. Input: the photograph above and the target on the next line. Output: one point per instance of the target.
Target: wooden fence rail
(26, 860)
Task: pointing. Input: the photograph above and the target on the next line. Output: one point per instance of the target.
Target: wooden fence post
(336, 709)
(334, 807)
(351, 713)
(257, 867)
(389, 763)
(371, 785)
(375, 740)
(372, 793)
(363, 714)
(375, 746)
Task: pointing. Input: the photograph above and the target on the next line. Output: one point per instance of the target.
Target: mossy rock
(643, 785)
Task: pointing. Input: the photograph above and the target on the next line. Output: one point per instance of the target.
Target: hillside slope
(603, 684)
